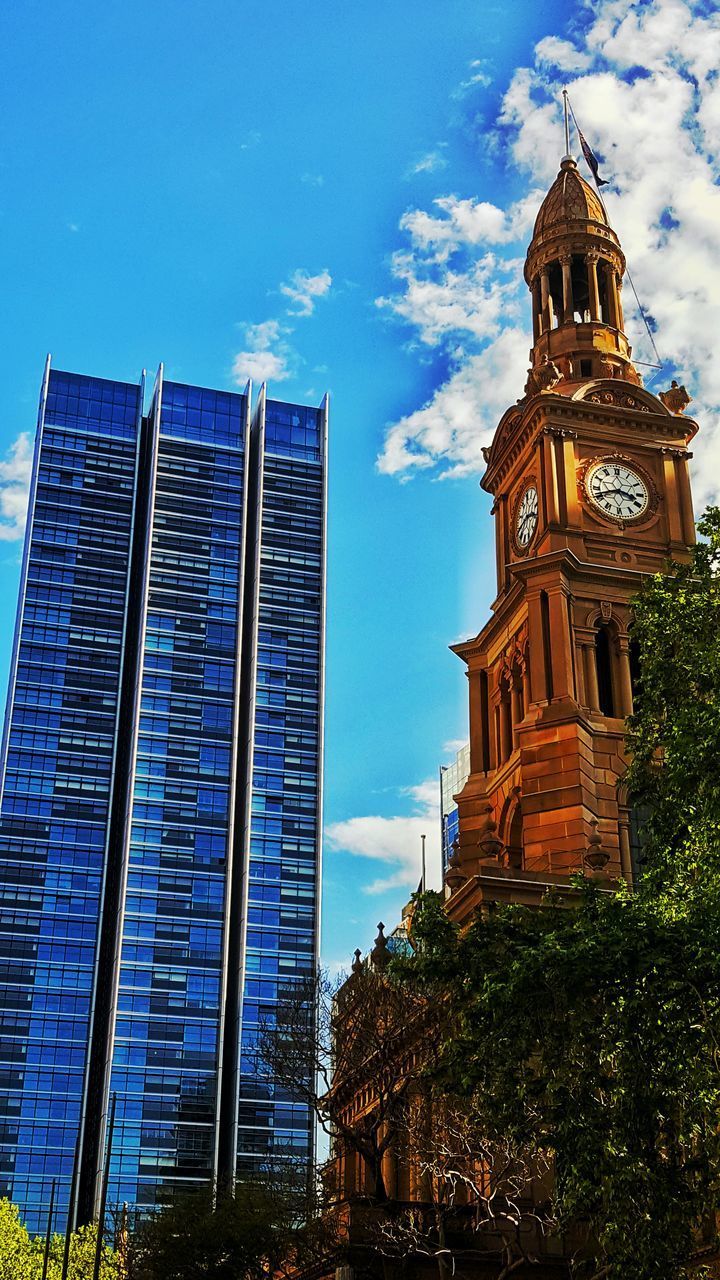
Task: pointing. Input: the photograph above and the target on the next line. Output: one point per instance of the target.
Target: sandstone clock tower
(589, 476)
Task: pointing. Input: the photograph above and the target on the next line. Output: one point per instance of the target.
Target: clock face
(527, 517)
(617, 491)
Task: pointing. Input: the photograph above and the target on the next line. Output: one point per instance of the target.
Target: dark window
(603, 658)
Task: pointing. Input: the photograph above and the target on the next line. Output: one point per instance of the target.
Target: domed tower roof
(570, 199)
(574, 269)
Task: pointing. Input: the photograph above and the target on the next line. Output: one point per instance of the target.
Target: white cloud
(266, 357)
(313, 179)
(304, 290)
(562, 54)
(454, 745)
(429, 163)
(643, 81)
(396, 841)
(473, 301)
(460, 418)
(478, 78)
(15, 474)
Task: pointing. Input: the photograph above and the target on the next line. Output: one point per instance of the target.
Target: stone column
(591, 679)
(497, 741)
(505, 729)
(592, 260)
(515, 708)
(625, 855)
(674, 511)
(538, 686)
(582, 695)
(551, 482)
(536, 312)
(477, 727)
(566, 264)
(626, 693)
(560, 655)
(685, 493)
(617, 289)
(572, 506)
(613, 298)
(547, 303)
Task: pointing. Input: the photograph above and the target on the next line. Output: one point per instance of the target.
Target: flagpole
(596, 183)
(567, 122)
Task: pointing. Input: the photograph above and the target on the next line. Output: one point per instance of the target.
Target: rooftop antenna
(566, 112)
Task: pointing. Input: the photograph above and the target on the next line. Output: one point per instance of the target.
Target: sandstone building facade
(589, 477)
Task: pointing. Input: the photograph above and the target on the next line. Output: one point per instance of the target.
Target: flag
(591, 159)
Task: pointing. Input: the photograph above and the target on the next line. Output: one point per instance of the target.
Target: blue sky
(340, 196)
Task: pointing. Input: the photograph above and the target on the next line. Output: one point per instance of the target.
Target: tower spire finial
(566, 113)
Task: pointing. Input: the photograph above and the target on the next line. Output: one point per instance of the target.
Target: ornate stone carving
(595, 856)
(488, 843)
(605, 610)
(455, 875)
(676, 398)
(542, 377)
(608, 367)
(621, 399)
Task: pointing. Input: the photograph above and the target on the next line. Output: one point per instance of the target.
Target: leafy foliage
(21, 1256)
(589, 1032)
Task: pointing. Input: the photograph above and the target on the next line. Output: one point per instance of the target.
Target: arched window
(580, 289)
(555, 287)
(604, 666)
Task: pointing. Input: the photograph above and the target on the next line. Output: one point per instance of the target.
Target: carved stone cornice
(676, 451)
(585, 413)
(560, 433)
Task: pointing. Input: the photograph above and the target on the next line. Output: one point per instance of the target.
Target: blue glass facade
(159, 865)
(452, 780)
(283, 871)
(60, 742)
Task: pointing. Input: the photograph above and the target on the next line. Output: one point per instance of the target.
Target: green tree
(21, 1256)
(589, 1032)
(83, 1244)
(250, 1235)
(16, 1253)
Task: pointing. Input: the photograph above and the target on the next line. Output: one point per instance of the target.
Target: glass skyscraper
(452, 780)
(161, 787)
